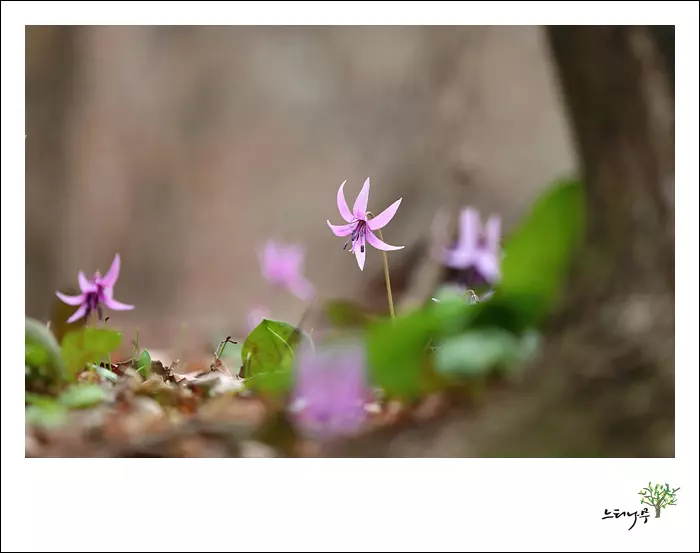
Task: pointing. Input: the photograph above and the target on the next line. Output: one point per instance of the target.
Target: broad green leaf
(79, 396)
(143, 363)
(269, 347)
(42, 350)
(397, 353)
(477, 352)
(47, 415)
(343, 313)
(540, 250)
(39, 399)
(88, 345)
(272, 383)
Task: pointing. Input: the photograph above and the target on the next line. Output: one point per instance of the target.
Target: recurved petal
(70, 300)
(360, 207)
(301, 288)
(79, 314)
(115, 305)
(359, 248)
(110, 278)
(380, 245)
(341, 230)
(469, 227)
(493, 232)
(381, 220)
(343, 205)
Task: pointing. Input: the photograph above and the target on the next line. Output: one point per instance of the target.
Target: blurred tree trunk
(50, 74)
(604, 384)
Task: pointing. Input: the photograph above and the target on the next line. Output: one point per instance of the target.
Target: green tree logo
(658, 497)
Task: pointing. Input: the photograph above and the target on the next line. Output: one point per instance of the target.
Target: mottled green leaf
(143, 363)
(397, 353)
(477, 352)
(539, 251)
(80, 396)
(42, 350)
(269, 347)
(88, 345)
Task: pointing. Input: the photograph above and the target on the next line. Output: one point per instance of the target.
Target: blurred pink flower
(283, 266)
(477, 252)
(95, 293)
(330, 390)
(255, 317)
(359, 228)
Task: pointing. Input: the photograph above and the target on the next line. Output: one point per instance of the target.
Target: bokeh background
(185, 148)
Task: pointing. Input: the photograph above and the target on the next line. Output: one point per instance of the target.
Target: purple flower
(359, 228)
(282, 266)
(477, 253)
(96, 292)
(330, 390)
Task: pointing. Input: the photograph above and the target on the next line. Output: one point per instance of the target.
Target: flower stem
(387, 279)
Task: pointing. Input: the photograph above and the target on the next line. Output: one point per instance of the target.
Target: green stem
(387, 279)
(386, 273)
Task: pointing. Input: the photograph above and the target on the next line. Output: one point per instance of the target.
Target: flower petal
(255, 317)
(487, 263)
(70, 300)
(85, 284)
(343, 205)
(359, 251)
(469, 223)
(360, 207)
(110, 279)
(341, 230)
(79, 314)
(111, 303)
(493, 233)
(301, 288)
(381, 220)
(380, 245)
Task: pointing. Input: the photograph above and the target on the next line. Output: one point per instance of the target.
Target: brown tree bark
(604, 383)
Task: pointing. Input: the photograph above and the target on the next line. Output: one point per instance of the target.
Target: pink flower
(96, 292)
(330, 391)
(477, 253)
(359, 228)
(255, 317)
(282, 266)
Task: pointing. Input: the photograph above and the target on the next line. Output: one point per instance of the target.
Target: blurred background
(185, 148)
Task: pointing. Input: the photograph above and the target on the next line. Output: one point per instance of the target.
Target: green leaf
(80, 396)
(271, 383)
(269, 347)
(47, 415)
(88, 345)
(478, 351)
(344, 314)
(143, 363)
(42, 350)
(539, 251)
(397, 352)
(106, 373)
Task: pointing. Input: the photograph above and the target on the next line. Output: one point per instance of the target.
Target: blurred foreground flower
(255, 317)
(477, 253)
(359, 228)
(283, 266)
(96, 293)
(330, 390)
